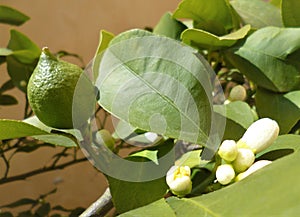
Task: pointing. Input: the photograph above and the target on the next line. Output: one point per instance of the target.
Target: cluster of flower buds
(238, 158)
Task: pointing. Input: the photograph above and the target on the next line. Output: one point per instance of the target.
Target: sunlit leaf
(257, 13)
(168, 26)
(209, 41)
(156, 84)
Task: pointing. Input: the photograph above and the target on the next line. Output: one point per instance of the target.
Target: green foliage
(205, 40)
(257, 13)
(290, 14)
(12, 16)
(22, 59)
(215, 16)
(264, 58)
(257, 188)
(170, 27)
(282, 107)
(239, 117)
(154, 83)
(145, 98)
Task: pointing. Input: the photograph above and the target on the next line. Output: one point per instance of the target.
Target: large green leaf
(265, 58)
(21, 63)
(156, 84)
(239, 117)
(18, 41)
(290, 13)
(284, 108)
(130, 195)
(11, 16)
(215, 16)
(205, 40)
(168, 26)
(257, 13)
(256, 195)
(12, 129)
(16, 129)
(159, 208)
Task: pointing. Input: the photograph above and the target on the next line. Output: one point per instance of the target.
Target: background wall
(71, 25)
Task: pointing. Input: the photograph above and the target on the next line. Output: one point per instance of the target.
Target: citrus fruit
(51, 88)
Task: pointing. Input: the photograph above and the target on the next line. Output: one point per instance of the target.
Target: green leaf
(239, 117)
(19, 41)
(265, 58)
(16, 129)
(168, 26)
(19, 72)
(257, 13)
(284, 108)
(277, 3)
(290, 13)
(129, 195)
(104, 39)
(57, 139)
(190, 159)
(11, 16)
(158, 208)
(149, 154)
(209, 41)
(8, 100)
(159, 86)
(5, 51)
(21, 63)
(261, 193)
(215, 16)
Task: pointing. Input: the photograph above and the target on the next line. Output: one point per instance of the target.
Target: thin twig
(100, 207)
(41, 170)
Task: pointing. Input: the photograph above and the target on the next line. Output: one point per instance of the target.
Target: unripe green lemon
(104, 137)
(51, 89)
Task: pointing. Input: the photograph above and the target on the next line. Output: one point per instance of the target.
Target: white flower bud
(237, 93)
(260, 135)
(244, 160)
(179, 180)
(225, 174)
(228, 150)
(256, 166)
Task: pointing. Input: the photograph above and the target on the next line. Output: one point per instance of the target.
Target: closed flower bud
(179, 180)
(244, 160)
(256, 166)
(228, 150)
(237, 93)
(225, 174)
(260, 135)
